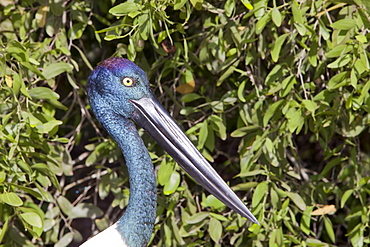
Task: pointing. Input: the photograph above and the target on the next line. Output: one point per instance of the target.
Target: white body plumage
(109, 237)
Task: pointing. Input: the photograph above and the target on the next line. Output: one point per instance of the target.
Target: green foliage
(274, 93)
(35, 147)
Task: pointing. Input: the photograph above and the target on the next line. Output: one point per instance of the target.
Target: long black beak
(152, 116)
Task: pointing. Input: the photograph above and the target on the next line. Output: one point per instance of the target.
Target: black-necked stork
(118, 91)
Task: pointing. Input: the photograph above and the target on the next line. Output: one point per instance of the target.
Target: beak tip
(253, 219)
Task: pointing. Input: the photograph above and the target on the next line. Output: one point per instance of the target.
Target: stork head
(113, 83)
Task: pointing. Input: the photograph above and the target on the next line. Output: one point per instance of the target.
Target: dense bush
(275, 94)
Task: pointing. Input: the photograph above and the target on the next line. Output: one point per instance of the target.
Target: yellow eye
(128, 82)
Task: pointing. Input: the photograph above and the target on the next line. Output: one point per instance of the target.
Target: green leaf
(196, 218)
(365, 91)
(74, 33)
(189, 97)
(340, 62)
(105, 185)
(275, 74)
(168, 234)
(339, 50)
(219, 217)
(45, 194)
(276, 16)
(361, 38)
(274, 196)
(250, 173)
(11, 199)
(49, 126)
(275, 52)
(203, 134)
(218, 126)
(45, 93)
(261, 23)
(312, 54)
(306, 220)
(179, 4)
(164, 172)
(300, 28)
(353, 78)
(244, 130)
(176, 230)
(244, 186)
(247, 4)
(2, 176)
(124, 8)
(329, 229)
(65, 240)
(32, 218)
(230, 70)
(330, 165)
(144, 26)
(339, 80)
(4, 229)
(297, 199)
(229, 7)
(197, 4)
(271, 111)
(212, 201)
(361, 64)
(45, 170)
(344, 24)
(287, 85)
(172, 185)
(324, 31)
(54, 69)
(32, 68)
(259, 193)
(57, 7)
(65, 205)
(297, 15)
(310, 105)
(241, 91)
(215, 229)
(27, 190)
(345, 197)
(315, 243)
(85, 210)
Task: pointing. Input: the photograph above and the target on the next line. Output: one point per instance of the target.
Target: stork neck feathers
(137, 223)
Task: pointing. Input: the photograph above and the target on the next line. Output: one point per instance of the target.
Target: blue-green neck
(136, 225)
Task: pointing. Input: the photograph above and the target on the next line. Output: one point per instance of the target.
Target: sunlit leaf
(124, 8)
(276, 16)
(198, 217)
(165, 171)
(259, 193)
(344, 24)
(215, 229)
(32, 218)
(171, 186)
(55, 69)
(11, 198)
